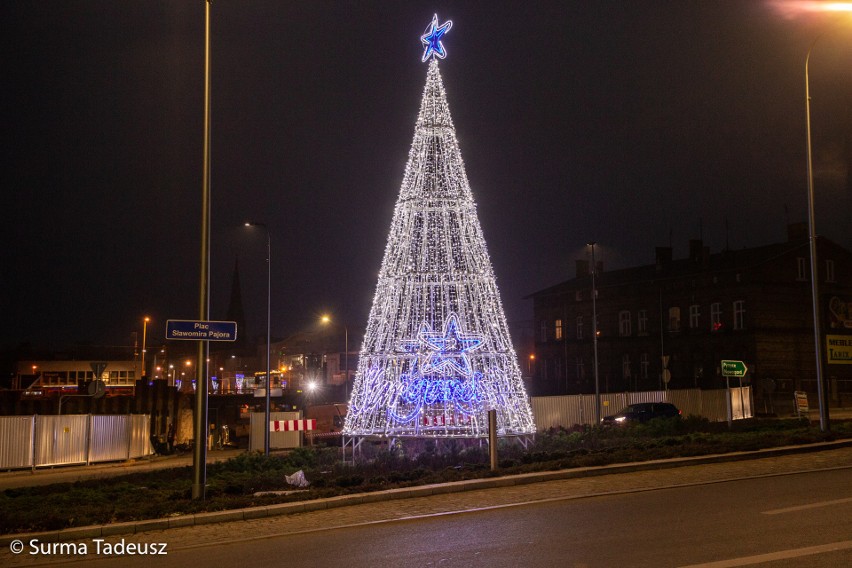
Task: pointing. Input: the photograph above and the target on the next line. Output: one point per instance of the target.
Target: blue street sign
(201, 330)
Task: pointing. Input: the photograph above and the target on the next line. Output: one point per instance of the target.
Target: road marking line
(808, 506)
(773, 556)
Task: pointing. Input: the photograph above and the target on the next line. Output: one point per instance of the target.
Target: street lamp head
(325, 319)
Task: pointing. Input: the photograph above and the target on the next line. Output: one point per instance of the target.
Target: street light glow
(793, 8)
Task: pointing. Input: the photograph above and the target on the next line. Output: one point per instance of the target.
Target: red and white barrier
(292, 425)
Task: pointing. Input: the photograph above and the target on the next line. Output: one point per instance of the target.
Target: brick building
(751, 304)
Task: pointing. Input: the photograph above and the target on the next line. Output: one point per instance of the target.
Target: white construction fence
(566, 411)
(43, 441)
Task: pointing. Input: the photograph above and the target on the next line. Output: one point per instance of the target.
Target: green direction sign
(733, 368)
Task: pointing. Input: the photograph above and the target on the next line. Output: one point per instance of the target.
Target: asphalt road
(710, 516)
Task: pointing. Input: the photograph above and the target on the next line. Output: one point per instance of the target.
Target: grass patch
(233, 483)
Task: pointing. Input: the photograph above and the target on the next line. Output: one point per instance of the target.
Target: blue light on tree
(441, 373)
(437, 355)
(432, 39)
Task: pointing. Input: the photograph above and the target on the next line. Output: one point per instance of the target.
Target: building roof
(700, 262)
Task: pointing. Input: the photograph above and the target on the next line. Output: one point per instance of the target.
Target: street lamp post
(199, 451)
(595, 336)
(144, 340)
(823, 408)
(268, 331)
(327, 319)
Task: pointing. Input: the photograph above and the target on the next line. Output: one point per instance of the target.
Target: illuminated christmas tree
(436, 354)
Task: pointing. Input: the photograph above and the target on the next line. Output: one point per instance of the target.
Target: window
(739, 314)
(644, 365)
(544, 369)
(716, 316)
(625, 326)
(579, 327)
(642, 322)
(543, 331)
(829, 271)
(625, 366)
(557, 329)
(581, 369)
(694, 316)
(557, 368)
(578, 296)
(801, 269)
(674, 319)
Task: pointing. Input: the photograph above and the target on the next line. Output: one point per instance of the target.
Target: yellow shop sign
(839, 349)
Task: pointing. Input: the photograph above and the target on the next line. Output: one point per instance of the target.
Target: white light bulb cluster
(436, 354)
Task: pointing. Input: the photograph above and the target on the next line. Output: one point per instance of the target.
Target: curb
(133, 527)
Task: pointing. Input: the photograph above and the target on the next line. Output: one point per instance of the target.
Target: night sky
(634, 124)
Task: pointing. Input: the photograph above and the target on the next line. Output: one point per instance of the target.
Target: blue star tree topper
(432, 39)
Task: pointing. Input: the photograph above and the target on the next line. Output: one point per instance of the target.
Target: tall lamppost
(144, 340)
(268, 330)
(823, 409)
(595, 336)
(327, 319)
(199, 450)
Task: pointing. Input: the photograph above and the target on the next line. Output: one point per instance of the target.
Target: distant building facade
(670, 324)
(66, 377)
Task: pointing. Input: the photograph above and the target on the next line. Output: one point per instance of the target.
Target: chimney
(582, 268)
(664, 256)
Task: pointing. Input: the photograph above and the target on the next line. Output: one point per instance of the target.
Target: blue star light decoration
(441, 374)
(448, 350)
(432, 39)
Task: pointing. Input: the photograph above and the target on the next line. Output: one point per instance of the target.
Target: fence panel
(566, 411)
(140, 439)
(16, 441)
(556, 411)
(61, 440)
(610, 404)
(278, 440)
(35, 441)
(108, 438)
(741, 406)
(693, 402)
